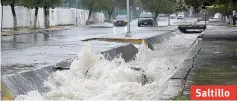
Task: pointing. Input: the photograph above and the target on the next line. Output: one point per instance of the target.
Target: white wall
(0, 16)
(58, 16)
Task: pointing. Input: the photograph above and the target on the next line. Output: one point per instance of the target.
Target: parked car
(212, 19)
(120, 20)
(146, 19)
(161, 15)
(172, 16)
(180, 16)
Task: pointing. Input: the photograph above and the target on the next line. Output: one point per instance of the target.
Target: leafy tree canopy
(223, 4)
(8, 2)
(32, 3)
(160, 6)
(98, 4)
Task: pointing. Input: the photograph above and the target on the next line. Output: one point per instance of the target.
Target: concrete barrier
(21, 83)
(148, 41)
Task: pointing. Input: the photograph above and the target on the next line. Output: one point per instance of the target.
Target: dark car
(145, 19)
(120, 20)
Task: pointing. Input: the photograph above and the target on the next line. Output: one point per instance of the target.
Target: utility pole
(205, 16)
(2, 17)
(128, 19)
(205, 7)
(190, 12)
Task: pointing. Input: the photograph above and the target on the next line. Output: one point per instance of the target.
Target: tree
(46, 5)
(97, 5)
(123, 3)
(223, 6)
(12, 3)
(159, 6)
(33, 4)
(110, 7)
(181, 6)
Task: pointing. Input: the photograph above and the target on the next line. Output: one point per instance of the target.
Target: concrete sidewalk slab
(101, 25)
(212, 61)
(9, 32)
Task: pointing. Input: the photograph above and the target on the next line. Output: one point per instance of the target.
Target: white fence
(58, 16)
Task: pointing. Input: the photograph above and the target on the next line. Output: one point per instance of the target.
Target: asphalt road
(29, 51)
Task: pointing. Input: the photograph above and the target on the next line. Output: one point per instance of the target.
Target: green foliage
(226, 5)
(180, 6)
(160, 6)
(98, 4)
(180, 98)
(32, 3)
(111, 4)
(123, 3)
(8, 2)
(52, 3)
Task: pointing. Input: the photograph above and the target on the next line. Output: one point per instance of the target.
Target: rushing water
(92, 77)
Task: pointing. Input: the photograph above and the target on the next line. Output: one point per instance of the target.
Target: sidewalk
(213, 61)
(9, 32)
(101, 25)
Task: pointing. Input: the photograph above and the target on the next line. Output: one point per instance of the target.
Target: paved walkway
(101, 25)
(213, 61)
(10, 32)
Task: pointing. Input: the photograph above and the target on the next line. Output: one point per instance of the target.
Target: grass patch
(180, 98)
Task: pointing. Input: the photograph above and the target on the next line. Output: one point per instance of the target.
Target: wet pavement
(215, 61)
(31, 51)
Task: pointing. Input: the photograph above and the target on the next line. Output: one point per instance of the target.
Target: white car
(173, 16)
(180, 16)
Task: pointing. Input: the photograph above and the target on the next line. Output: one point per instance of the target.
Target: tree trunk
(46, 17)
(36, 17)
(110, 15)
(168, 19)
(89, 16)
(155, 19)
(2, 17)
(14, 15)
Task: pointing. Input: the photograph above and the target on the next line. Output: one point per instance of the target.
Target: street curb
(100, 26)
(24, 82)
(184, 69)
(10, 33)
(186, 66)
(157, 39)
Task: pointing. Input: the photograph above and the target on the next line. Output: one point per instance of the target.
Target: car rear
(120, 20)
(173, 16)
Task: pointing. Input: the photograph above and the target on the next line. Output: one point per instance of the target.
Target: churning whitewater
(92, 77)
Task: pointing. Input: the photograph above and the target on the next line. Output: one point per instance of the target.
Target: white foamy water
(92, 77)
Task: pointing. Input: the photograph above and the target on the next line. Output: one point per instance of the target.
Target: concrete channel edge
(184, 69)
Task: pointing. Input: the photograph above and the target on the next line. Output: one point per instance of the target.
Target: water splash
(92, 77)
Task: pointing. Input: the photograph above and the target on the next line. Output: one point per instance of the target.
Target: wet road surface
(30, 51)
